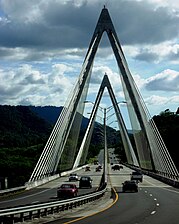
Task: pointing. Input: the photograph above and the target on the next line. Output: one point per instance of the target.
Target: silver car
(73, 177)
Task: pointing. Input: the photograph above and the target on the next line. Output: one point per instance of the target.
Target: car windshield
(127, 182)
(136, 173)
(73, 174)
(85, 178)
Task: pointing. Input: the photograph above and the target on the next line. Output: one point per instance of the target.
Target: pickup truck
(137, 176)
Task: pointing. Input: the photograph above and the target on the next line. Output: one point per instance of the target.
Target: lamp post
(119, 118)
(105, 149)
(104, 177)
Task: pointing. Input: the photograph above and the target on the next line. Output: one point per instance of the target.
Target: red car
(67, 191)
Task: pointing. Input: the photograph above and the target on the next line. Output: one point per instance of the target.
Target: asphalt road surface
(155, 203)
(48, 192)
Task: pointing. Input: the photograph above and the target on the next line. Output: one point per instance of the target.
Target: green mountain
(20, 127)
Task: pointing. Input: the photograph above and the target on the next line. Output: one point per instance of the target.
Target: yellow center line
(102, 210)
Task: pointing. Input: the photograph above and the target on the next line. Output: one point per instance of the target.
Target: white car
(73, 177)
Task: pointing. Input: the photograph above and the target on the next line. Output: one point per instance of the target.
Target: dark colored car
(136, 175)
(98, 169)
(116, 167)
(95, 162)
(100, 166)
(87, 168)
(85, 182)
(67, 191)
(130, 185)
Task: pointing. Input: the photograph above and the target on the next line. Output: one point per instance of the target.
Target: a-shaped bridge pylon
(131, 157)
(152, 153)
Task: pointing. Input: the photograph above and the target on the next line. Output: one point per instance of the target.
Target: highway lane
(155, 203)
(48, 192)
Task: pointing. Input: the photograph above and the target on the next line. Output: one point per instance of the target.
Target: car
(95, 162)
(73, 177)
(130, 185)
(87, 168)
(85, 182)
(98, 169)
(116, 167)
(67, 191)
(136, 175)
(100, 166)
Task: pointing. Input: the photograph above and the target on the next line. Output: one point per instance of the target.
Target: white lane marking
(28, 196)
(149, 186)
(170, 190)
(154, 185)
(150, 183)
(34, 202)
(165, 187)
(152, 213)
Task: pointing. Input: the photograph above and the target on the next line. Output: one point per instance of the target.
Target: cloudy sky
(43, 44)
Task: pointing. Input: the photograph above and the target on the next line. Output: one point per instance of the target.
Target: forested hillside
(168, 125)
(48, 113)
(22, 137)
(24, 131)
(20, 126)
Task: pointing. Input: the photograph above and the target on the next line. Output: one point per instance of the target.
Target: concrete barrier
(30, 185)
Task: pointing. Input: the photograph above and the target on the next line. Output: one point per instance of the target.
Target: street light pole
(105, 148)
(104, 176)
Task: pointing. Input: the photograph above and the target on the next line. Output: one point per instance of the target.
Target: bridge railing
(165, 179)
(170, 181)
(29, 212)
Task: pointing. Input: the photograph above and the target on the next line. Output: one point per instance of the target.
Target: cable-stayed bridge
(63, 148)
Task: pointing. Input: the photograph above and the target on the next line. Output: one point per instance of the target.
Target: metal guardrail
(29, 212)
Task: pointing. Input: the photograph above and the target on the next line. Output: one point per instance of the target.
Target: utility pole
(105, 149)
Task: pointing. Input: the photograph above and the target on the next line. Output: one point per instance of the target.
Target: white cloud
(26, 11)
(157, 100)
(157, 104)
(168, 80)
(46, 42)
(27, 84)
(171, 4)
